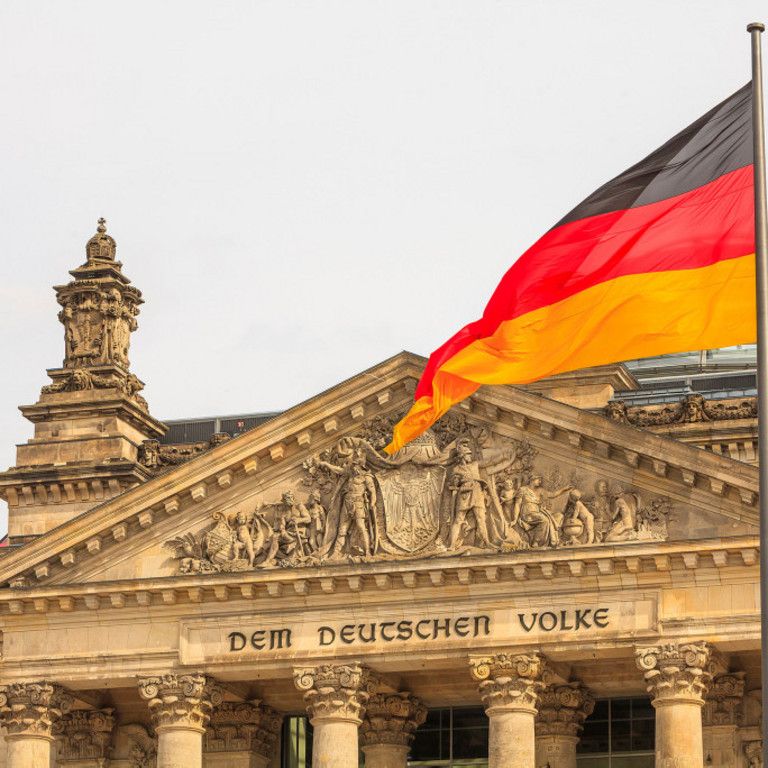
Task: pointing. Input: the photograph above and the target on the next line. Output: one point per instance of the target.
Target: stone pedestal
(390, 722)
(181, 706)
(336, 697)
(244, 735)
(28, 711)
(509, 687)
(677, 679)
(562, 711)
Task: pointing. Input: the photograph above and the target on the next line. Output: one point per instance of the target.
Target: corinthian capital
(563, 709)
(392, 718)
(180, 701)
(85, 734)
(676, 672)
(243, 726)
(335, 691)
(724, 700)
(31, 709)
(753, 751)
(508, 681)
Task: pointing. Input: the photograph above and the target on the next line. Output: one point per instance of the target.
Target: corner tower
(91, 420)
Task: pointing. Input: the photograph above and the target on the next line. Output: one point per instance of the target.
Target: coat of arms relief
(457, 489)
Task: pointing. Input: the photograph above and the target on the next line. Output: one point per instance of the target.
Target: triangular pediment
(505, 472)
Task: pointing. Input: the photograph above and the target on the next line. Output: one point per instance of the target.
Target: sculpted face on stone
(453, 491)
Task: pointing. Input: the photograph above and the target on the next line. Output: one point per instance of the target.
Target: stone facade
(524, 556)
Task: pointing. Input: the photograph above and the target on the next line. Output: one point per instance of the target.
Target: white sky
(302, 189)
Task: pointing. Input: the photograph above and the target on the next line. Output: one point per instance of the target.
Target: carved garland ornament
(691, 409)
(675, 671)
(392, 718)
(457, 489)
(563, 709)
(509, 681)
(336, 691)
(180, 700)
(31, 709)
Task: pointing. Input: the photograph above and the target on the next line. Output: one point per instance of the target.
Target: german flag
(658, 260)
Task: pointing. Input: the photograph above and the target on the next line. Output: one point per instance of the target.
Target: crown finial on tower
(101, 246)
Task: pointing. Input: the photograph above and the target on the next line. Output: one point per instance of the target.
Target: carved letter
(371, 637)
(258, 639)
(601, 621)
(521, 616)
(236, 638)
(404, 630)
(437, 628)
(418, 629)
(461, 626)
(487, 621)
(562, 620)
(276, 638)
(554, 621)
(383, 628)
(346, 634)
(326, 630)
(581, 618)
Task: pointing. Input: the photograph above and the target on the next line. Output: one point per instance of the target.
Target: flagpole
(761, 263)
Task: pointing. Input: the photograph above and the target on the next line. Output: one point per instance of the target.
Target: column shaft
(179, 748)
(334, 743)
(679, 742)
(511, 739)
(29, 752)
(386, 756)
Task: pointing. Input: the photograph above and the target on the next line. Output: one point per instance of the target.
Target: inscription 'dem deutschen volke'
(425, 630)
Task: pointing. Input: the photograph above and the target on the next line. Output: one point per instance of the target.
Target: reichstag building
(554, 576)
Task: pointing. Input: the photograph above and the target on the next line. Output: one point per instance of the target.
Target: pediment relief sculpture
(157, 457)
(457, 489)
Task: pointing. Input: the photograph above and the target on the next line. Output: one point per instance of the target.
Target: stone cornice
(264, 455)
(610, 565)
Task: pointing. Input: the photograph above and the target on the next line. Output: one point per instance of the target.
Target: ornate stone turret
(90, 421)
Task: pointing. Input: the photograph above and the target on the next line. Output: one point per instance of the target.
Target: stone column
(390, 722)
(509, 686)
(336, 696)
(244, 735)
(721, 719)
(181, 707)
(28, 712)
(677, 679)
(85, 738)
(562, 711)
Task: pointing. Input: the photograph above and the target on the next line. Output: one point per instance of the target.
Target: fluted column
(84, 738)
(28, 712)
(509, 687)
(390, 722)
(562, 711)
(180, 706)
(722, 716)
(677, 678)
(242, 735)
(336, 697)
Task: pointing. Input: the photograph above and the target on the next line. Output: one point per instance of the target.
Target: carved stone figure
(533, 515)
(693, 409)
(624, 511)
(317, 515)
(578, 521)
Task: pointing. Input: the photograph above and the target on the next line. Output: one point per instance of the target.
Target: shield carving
(411, 495)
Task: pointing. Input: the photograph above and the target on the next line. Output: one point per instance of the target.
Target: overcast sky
(302, 189)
